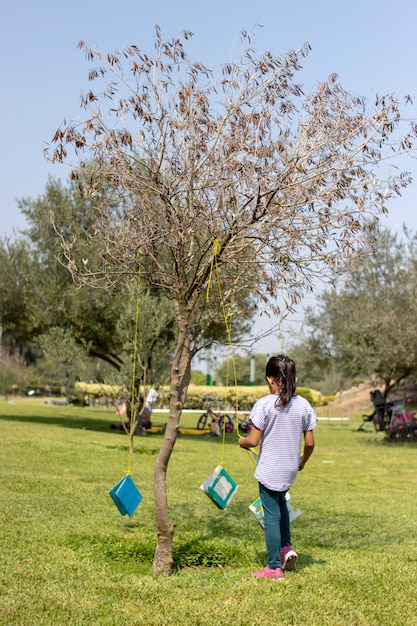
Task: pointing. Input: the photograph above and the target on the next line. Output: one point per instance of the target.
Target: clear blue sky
(369, 43)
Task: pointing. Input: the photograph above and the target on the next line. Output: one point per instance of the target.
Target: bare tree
(235, 179)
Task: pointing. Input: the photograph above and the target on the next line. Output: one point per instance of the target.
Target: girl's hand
(252, 440)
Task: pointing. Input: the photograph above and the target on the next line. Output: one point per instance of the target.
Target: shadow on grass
(126, 553)
(81, 420)
(379, 439)
(65, 421)
(216, 541)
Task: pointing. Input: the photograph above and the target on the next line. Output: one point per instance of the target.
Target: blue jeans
(276, 524)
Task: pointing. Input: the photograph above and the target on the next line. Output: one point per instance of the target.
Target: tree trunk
(180, 379)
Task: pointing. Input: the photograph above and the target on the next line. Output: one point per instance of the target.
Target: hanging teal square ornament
(126, 495)
(219, 487)
(257, 509)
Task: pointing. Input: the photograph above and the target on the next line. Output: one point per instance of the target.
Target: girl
(279, 420)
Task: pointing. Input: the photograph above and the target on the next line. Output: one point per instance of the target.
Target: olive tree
(18, 274)
(367, 325)
(223, 184)
(13, 373)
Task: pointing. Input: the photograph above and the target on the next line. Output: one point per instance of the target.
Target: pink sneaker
(267, 572)
(289, 559)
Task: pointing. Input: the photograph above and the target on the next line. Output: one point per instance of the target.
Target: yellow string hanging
(214, 265)
(125, 494)
(216, 251)
(135, 351)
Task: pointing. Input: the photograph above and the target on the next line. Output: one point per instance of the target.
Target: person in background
(150, 403)
(215, 430)
(279, 422)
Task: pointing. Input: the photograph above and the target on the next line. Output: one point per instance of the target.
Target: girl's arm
(308, 448)
(252, 440)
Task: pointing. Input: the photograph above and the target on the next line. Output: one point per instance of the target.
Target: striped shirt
(282, 430)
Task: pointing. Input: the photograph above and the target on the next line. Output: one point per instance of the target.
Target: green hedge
(226, 396)
(197, 397)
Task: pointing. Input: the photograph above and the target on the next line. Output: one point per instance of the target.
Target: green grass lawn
(69, 558)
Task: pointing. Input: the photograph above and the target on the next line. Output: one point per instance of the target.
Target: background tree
(18, 275)
(316, 367)
(368, 325)
(245, 186)
(13, 373)
(151, 343)
(66, 356)
(90, 315)
(32, 305)
(243, 365)
(198, 378)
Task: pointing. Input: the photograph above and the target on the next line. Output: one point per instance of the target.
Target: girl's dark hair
(282, 369)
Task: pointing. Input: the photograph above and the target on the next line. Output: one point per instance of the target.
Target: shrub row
(200, 397)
